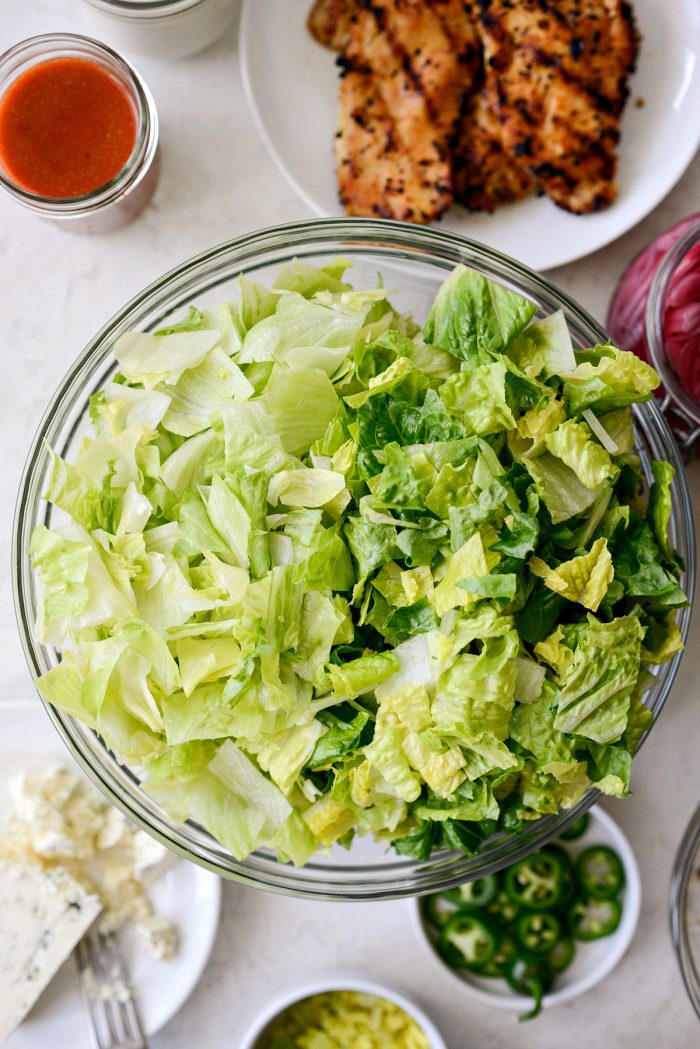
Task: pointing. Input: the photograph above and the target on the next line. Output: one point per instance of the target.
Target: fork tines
(113, 1016)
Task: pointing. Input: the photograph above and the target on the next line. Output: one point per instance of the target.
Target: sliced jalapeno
(561, 955)
(600, 872)
(502, 909)
(592, 919)
(530, 976)
(568, 877)
(536, 882)
(505, 953)
(577, 829)
(467, 941)
(436, 909)
(537, 932)
(561, 854)
(474, 893)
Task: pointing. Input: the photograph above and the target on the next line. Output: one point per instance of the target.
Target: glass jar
(684, 904)
(682, 409)
(124, 197)
(657, 298)
(415, 260)
(162, 28)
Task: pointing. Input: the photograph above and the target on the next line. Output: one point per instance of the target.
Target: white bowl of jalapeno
(544, 930)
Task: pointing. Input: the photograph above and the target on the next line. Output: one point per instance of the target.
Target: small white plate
(343, 983)
(593, 960)
(186, 894)
(292, 87)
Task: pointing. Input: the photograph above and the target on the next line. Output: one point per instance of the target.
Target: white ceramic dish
(342, 983)
(186, 894)
(291, 85)
(166, 29)
(593, 961)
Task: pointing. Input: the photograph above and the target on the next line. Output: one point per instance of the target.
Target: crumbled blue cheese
(44, 914)
(59, 821)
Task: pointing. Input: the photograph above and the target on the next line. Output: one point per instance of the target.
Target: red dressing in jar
(67, 127)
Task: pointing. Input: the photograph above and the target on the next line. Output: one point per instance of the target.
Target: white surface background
(56, 290)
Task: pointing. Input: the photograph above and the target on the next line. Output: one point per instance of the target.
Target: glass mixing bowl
(415, 261)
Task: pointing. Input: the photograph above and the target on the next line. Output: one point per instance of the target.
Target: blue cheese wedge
(44, 915)
(58, 820)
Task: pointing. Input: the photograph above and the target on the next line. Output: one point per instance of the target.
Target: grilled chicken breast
(484, 175)
(386, 138)
(387, 168)
(480, 100)
(437, 61)
(329, 22)
(557, 75)
(400, 104)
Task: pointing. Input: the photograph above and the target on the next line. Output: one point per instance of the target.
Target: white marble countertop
(57, 290)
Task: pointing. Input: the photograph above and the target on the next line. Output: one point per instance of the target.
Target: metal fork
(111, 1008)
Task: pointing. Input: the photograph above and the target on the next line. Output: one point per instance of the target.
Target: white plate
(186, 894)
(593, 960)
(292, 86)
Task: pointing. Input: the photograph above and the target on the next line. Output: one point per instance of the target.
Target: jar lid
(144, 8)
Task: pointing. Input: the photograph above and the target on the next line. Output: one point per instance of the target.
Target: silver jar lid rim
(144, 8)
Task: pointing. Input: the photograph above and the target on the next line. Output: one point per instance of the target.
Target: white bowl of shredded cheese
(344, 1010)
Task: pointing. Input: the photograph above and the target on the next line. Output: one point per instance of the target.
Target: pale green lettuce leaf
(299, 407)
(572, 443)
(124, 407)
(187, 466)
(544, 348)
(410, 705)
(472, 802)
(470, 705)
(440, 767)
(584, 579)
(305, 487)
(329, 327)
(478, 399)
(386, 755)
(559, 488)
(619, 378)
(211, 803)
(660, 504)
(153, 359)
(362, 674)
(88, 596)
(595, 696)
(241, 776)
(205, 659)
(284, 754)
(230, 519)
(472, 559)
(201, 392)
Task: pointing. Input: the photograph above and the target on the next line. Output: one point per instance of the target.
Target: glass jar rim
(654, 323)
(681, 878)
(342, 237)
(144, 9)
(43, 48)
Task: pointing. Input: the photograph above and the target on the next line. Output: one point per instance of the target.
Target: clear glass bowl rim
(398, 877)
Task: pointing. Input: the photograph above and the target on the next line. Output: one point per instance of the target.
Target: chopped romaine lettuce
(326, 574)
